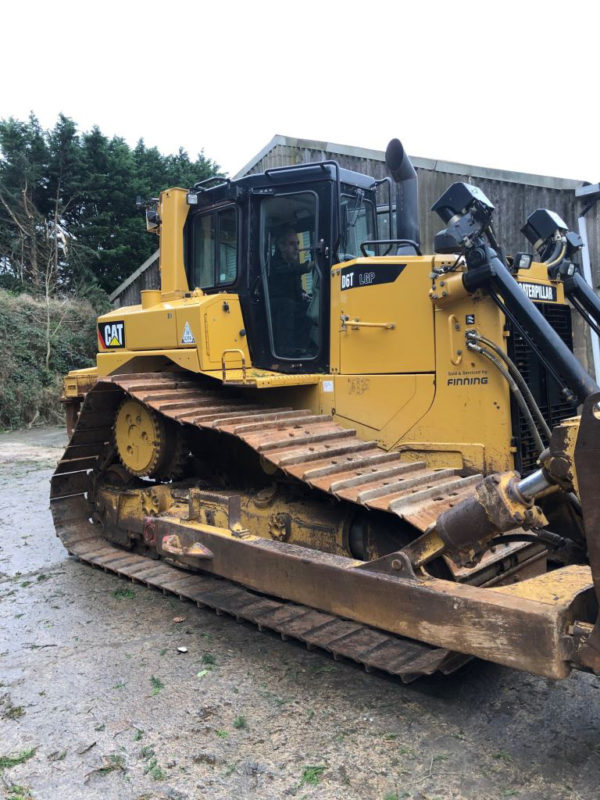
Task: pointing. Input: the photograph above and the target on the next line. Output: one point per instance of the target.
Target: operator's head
(287, 244)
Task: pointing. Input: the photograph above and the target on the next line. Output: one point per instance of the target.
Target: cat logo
(111, 335)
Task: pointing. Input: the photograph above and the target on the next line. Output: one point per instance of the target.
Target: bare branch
(9, 211)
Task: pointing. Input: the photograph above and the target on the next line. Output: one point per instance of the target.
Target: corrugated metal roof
(433, 165)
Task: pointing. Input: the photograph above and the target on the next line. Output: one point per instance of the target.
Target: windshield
(358, 226)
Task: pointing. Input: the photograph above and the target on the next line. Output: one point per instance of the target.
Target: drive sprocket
(148, 445)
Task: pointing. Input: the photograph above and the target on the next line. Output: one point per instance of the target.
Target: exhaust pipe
(407, 197)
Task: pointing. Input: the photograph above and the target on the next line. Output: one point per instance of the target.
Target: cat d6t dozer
(315, 430)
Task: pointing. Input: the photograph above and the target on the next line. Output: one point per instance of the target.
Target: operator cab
(272, 239)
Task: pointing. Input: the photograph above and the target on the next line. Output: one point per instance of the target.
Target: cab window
(214, 249)
(358, 226)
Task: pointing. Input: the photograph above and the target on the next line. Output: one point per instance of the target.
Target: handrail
(355, 324)
(391, 242)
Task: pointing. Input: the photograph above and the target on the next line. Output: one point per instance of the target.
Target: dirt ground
(96, 701)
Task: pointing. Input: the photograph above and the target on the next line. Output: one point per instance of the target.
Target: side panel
(381, 407)
(383, 319)
(216, 328)
(146, 329)
(471, 410)
(203, 325)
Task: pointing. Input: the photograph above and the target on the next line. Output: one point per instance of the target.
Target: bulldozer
(327, 434)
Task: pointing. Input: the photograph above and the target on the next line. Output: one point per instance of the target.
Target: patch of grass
(100, 727)
(124, 594)
(16, 792)
(318, 668)
(311, 776)
(230, 769)
(42, 577)
(222, 734)
(58, 755)
(153, 769)
(11, 761)
(240, 723)
(163, 651)
(208, 658)
(276, 698)
(25, 584)
(139, 733)
(13, 712)
(502, 756)
(120, 685)
(157, 685)
(112, 763)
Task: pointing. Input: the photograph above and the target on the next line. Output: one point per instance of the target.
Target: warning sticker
(111, 335)
(188, 336)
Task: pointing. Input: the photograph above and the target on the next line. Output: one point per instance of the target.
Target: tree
(67, 204)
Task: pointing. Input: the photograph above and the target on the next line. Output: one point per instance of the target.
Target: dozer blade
(587, 458)
(376, 613)
(373, 649)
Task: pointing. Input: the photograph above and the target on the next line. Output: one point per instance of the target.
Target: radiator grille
(543, 386)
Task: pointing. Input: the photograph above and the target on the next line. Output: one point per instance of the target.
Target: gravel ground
(97, 702)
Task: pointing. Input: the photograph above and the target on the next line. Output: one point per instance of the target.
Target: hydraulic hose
(514, 389)
(559, 257)
(486, 271)
(514, 371)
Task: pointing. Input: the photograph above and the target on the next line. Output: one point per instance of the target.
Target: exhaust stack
(407, 197)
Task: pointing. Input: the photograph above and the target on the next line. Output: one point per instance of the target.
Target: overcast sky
(512, 85)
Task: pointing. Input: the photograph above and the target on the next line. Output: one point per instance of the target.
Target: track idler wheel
(148, 444)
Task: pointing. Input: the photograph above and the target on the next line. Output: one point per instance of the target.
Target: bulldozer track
(309, 447)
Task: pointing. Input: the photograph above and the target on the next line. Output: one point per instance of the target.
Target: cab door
(288, 277)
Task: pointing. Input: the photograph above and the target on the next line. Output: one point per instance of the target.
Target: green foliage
(157, 685)
(312, 775)
(16, 792)
(124, 594)
(114, 762)
(11, 761)
(30, 390)
(154, 770)
(67, 204)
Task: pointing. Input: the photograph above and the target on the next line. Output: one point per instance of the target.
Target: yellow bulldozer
(338, 438)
